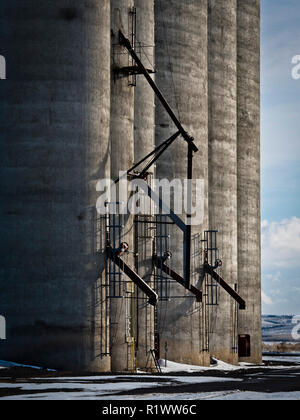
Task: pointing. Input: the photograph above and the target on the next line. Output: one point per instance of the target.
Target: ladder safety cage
(162, 236)
(211, 264)
(181, 225)
(211, 252)
(160, 263)
(211, 271)
(114, 256)
(116, 266)
(114, 228)
(104, 290)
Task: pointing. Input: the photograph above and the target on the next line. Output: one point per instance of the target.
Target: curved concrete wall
(249, 245)
(144, 112)
(144, 143)
(181, 63)
(222, 93)
(122, 158)
(54, 124)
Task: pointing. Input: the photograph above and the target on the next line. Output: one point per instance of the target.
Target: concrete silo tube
(181, 64)
(122, 158)
(55, 113)
(248, 152)
(144, 143)
(222, 99)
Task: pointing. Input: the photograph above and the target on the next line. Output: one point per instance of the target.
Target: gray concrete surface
(181, 62)
(144, 143)
(222, 94)
(54, 123)
(122, 158)
(248, 152)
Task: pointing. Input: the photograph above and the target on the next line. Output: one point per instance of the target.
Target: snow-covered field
(108, 388)
(173, 367)
(219, 382)
(278, 329)
(98, 388)
(229, 395)
(279, 380)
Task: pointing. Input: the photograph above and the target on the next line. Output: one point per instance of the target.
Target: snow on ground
(280, 396)
(278, 328)
(233, 395)
(222, 395)
(228, 395)
(86, 388)
(274, 343)
(108, 387)
(5, 364)
(173, 367)
(289, 358)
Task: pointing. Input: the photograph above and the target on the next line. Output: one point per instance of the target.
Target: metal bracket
(211, 271)
(157, 152)
(114, 255)
(126, 43)
(160, 263)
(130, 71)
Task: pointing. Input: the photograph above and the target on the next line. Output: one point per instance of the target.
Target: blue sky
(280, 137)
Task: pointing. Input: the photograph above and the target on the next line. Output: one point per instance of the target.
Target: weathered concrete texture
(54, 124)
(249, 248)
(222, 93)
(145, 315)
(144, 143)
(144, 113)
(181, 63)
(122, 158)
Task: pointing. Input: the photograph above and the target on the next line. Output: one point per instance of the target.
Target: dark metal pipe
(141, 284)
(126, 43)
(209, 270)
(188, 233)
(160, 264)
(163, 146)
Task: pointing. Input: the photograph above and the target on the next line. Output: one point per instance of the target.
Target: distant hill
(277, 328)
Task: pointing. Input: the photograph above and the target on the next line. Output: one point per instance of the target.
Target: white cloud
(274, 277)
(281, 244)
(266, 299)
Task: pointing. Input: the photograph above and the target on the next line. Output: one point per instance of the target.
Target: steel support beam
(163, 207)
(159, 263)
(140, 283)
(126, 43)
(210, 270)
(156, 153)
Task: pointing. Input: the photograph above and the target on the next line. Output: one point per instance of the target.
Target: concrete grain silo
(181, 64)
(248, 153)
(54, 122)
(144, 143)
(122, 158)
(222, 93)
(73, 112)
